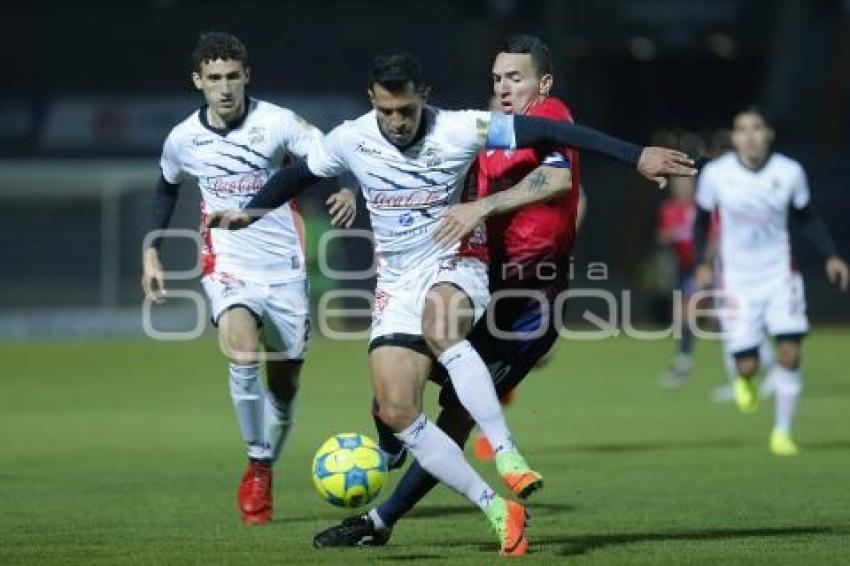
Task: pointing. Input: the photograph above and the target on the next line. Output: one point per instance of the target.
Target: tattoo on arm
(537, 182)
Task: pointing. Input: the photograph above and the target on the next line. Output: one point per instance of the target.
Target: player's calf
(387, 440)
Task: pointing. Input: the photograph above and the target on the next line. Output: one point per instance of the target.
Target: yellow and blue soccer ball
(349, 470)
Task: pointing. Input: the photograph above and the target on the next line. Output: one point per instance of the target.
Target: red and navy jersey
(677, 219)
(540, 233)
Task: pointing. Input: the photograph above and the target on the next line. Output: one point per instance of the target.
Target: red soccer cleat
(255, 494)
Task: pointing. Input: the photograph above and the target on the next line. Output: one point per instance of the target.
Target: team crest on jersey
(448, 264)
(430, 156)
(257, 135)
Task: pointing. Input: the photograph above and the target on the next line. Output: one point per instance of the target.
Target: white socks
(787, 385)
(248, 398)
(263, 421)
(475, 390)
(444, 460)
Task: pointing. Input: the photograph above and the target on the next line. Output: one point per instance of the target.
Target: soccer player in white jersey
(411, 160)
(255, 279)
(755, 191)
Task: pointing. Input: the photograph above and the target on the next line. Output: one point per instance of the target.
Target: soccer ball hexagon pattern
(349, 470)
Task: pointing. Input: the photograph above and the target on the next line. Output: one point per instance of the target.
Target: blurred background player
(754, 191)
(675, 231)
(255, 279)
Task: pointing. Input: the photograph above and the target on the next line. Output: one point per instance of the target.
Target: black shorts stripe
(413, 342)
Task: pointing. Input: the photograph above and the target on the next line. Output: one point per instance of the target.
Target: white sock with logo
(444, 460)
(476, 392)
(248, 397)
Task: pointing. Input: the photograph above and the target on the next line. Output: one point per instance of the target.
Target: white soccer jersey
(231, 165)
(406, 191)
(753, 208)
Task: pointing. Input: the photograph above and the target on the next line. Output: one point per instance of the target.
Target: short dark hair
(757, 111)
(532, 45)
(393, 70)
(214, 45)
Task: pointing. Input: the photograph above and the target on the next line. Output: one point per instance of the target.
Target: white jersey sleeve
(466, 129)
(295, 134)
(800, 195)
(706, 190)
(327, 157)
(169, 163)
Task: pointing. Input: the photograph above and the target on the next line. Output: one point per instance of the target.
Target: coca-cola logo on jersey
(417, 198)
(240, 184)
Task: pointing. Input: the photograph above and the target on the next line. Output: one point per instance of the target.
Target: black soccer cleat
(354, 531)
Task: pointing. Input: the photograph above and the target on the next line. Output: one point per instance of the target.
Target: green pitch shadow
(581, 544)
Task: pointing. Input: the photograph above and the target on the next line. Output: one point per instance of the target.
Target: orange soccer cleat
(482, 449)
(509, 520)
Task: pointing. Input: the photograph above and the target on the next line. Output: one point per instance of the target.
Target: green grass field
(127, 453)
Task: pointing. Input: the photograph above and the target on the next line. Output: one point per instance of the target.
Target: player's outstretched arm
(162, 208)
(654, 163)
(541, 184)
(287, 183)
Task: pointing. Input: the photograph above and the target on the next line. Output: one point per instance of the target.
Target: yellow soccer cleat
(746, 395)
(517, 474)
(782, 445)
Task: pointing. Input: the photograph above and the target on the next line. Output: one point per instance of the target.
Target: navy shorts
(533, 326)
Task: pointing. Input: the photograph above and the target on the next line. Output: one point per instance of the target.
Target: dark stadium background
(116, 448)
(91, 87)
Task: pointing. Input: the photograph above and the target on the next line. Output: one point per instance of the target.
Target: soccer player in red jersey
(529, 201)
(675, 230)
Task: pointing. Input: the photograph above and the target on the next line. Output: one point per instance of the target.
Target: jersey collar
(758, 169)
(424, 126)
(234, 125)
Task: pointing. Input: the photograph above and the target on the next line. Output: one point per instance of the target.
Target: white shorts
(281, 309)
(399, 304)
(777, 306)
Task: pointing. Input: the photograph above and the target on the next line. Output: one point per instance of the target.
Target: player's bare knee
(398, 416)
(747, 367)
(440, 337)
(240, 349)
(446, 318)
(788, 355)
